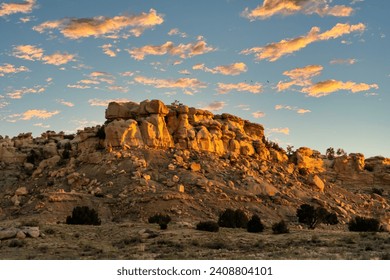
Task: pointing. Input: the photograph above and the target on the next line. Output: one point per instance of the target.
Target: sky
(315, 73)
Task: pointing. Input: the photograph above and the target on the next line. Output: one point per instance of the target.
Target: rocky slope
(187, 162)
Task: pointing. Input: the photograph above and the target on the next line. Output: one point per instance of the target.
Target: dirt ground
(139, 241)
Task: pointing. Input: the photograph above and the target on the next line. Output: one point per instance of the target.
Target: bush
(160, 219)
(210, 226)
(233, 219)
(255, 224)
(279, 228)
(83, 215)
(364, 224)
(312, 216)
(378, 191)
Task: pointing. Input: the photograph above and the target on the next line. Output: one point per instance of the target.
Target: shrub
(210, 226)
(160, 219)
(279, 228)
(378, 191)
(101, 134)
(312, 216)
(233, 219)
(255, 224)
(364, 224)
(83, 215)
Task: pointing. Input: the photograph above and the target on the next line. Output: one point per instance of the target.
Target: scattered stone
(318, 183)
(8, 233)
(194, 166)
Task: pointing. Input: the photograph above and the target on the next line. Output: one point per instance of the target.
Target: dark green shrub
(208, 226)
(364, 224)
(233, 219)
(378, 191)
(280, 228)
(160, 219)
(255, 224)
(83, 215)
(312, 216)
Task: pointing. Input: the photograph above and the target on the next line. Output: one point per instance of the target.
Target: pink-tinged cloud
(41, 125)
(58, 58)
(100, 26)
(7, 68)
(176, 31)
(252, 88)
(284, 130)
(118, 88)
(78, 86)
(348, 61)
(183, 83)
(65, 103)
(232, 69)
(31, 114)
(107, 49)
(289, 7)
(23, 7)
(274, 51)
(33, 53)
(105, 102)
(182, 50)
(300, 76)
(215, 106)
(127, 74)
(18, 93)
(329, 86)
(292, 108)
(258, 114)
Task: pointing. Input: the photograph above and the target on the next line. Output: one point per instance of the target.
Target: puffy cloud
(28, 52)
(329, 86)
(258, 114)
(176, 31)
(58, 58)
(289, 7)
(252, 88)
(100, 26)
(291, 108)
(108, 51)
(33, 113)
(349, 61)
(284, 130)
(7, 68)
(274, 51)
(24, 7)
(300, 76)
(232, 69)
(104, 103)
(215, 106)
(65, 103)
(181, 50)
(33, 53)
(183, 83)
(18, 93)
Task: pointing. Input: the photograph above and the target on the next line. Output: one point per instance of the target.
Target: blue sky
(314, 73)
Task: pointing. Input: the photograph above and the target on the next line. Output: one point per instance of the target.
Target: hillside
(189, 163)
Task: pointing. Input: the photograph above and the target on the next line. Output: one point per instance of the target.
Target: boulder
(125, 110)
(123, 133)
(308, 160)
(316, 181)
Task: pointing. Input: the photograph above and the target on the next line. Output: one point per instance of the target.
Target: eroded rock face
(308, 160)
(351, 164)
(153, 124)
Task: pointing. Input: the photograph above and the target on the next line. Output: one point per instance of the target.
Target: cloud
(284, 130)
(104, 103)
(41, 125)
(183, 83)
(184, 72)
(108, 51)
(127, 74)
(181, 50)
(215, 106)
(94, 78)
(31, 114)
(118, 88)
(78, 86)
(300, 76)
(289, 7)
(65, 103)
(258, 114)
(274, 51)
(33, 53)
(176, 31)
(291, 108)
(348, 61)
(18, 93)
(329, 86)
(232, 69)
(24, 7)
(100, 26)
(252, 88)
(7, 68)
(243, 107)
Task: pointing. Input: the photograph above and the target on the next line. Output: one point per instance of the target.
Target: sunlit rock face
(154, 124)
(309, 160)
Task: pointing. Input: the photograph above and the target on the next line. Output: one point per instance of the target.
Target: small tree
(255, 225)
(364, 224)
(290, 150)
(330, 153)
(280, 228)
(160, 219)
(227, 219)
(312, 216)
(340, 152)
(241, 218)
(83, 215)
(210, 226)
